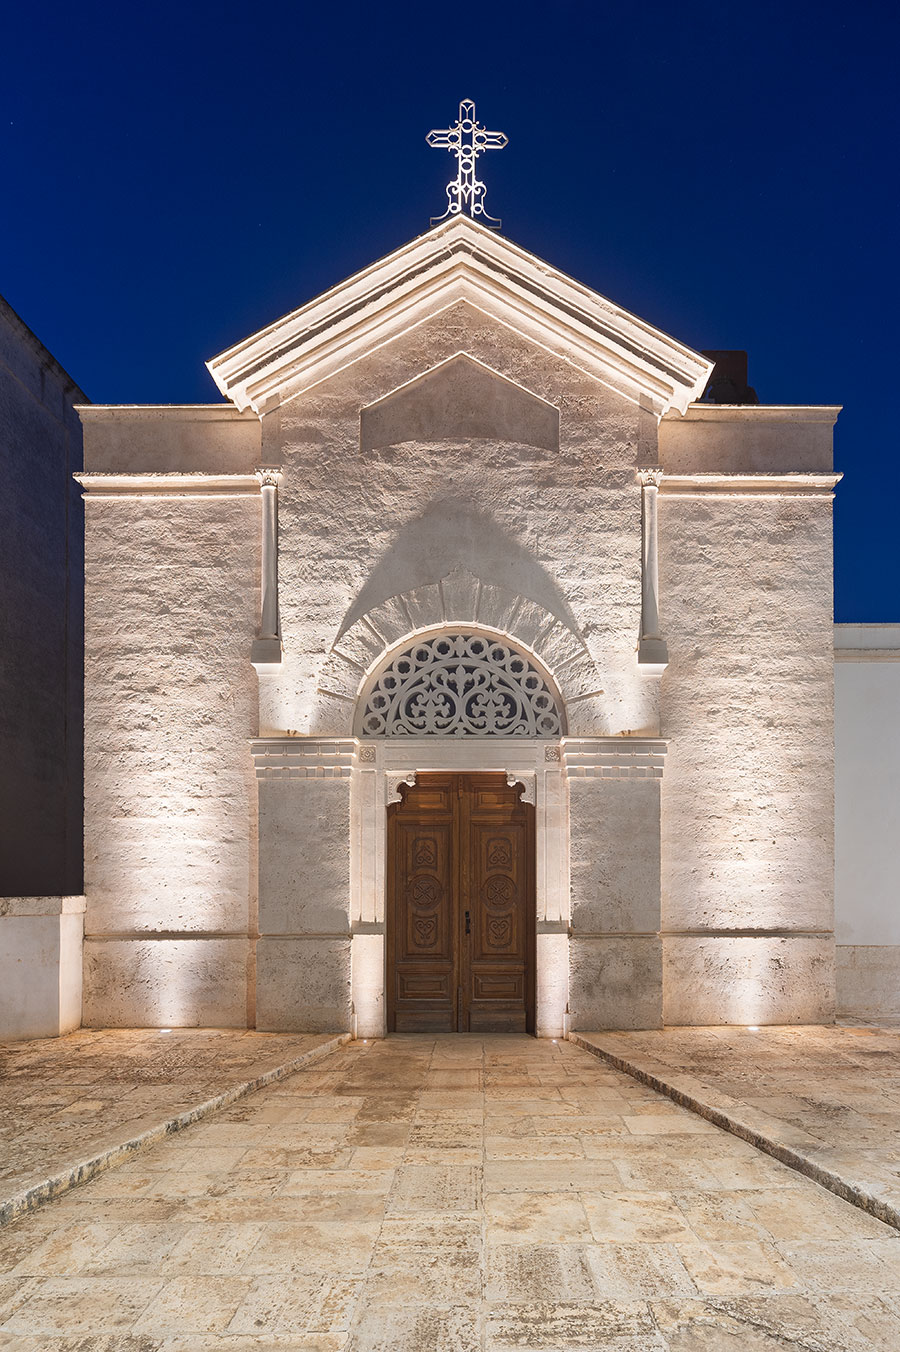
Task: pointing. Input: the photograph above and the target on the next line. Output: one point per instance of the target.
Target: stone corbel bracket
(527, 781)
(303, 757)
(394, 783)
(613, 757)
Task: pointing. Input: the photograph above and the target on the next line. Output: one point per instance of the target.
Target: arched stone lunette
(457, 681)
(459, 598)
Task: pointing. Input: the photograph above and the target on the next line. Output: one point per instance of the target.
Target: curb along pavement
(44, 1190)
(731, 1121)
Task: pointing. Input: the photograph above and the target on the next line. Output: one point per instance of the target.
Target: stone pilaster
(653, 655)
(266, 649)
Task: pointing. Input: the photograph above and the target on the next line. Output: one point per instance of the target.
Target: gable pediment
(460, 260)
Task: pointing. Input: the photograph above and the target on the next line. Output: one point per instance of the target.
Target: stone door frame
(382, 766)
(320, 952)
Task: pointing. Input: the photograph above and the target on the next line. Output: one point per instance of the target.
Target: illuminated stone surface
(457, 1194)
(831, 1095)
(466, 440)
(66, 1101)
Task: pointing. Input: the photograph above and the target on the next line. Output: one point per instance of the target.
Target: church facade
(460, 671)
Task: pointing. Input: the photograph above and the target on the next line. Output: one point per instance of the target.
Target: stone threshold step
(39, 1191)
(666, 1081)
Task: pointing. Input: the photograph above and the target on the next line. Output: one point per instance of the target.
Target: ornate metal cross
(467, 140)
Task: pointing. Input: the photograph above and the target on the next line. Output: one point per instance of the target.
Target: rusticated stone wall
(747, 707)
(172, 597)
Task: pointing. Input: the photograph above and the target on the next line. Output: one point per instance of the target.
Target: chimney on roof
(728, 382)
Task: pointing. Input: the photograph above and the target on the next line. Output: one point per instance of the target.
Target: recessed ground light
(752, 1028)
(165, 1030)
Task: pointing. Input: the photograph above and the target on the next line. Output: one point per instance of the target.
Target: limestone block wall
(867, 819)
(170, 819)
(747, 707)
(361, 522)
(41, 595)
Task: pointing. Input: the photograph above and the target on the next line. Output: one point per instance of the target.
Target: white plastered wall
(867, 819)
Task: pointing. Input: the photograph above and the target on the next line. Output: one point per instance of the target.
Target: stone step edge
(785, 1154)
(36, 1194)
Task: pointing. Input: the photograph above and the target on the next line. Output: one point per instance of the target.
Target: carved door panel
(497, 849)
(460, 949)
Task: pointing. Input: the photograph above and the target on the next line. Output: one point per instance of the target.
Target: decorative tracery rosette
(461, 685)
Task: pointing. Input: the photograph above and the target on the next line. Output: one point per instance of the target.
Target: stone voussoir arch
(464, 600)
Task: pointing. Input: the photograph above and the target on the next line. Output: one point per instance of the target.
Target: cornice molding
(41, 906)
(163, 412)
(867, 655)
(114, 485)
(459, 261)
(748, 485)
(771, 413)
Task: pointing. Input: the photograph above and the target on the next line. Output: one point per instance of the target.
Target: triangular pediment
(460, 260)
(460, 399)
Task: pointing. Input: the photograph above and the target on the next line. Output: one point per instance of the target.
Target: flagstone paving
(829, 1095)
(451, 1194)
(64, 1101)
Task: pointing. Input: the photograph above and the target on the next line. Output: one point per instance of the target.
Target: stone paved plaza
(830, 1095)
(65, 1101)
(446, 1195)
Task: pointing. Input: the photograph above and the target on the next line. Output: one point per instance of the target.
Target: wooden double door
(460, 907)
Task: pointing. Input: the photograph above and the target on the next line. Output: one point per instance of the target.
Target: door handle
(468, 923)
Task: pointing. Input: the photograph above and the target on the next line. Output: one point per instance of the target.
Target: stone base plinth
(40, 966)
(303, 985)
(615, 981)
(867, 979)
(140, 982)
(758, 979)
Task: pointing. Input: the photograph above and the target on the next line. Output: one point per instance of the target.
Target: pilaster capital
(649, 478)
(268, 476)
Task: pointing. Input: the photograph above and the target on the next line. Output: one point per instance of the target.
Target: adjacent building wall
(867, 819)
(41, 597)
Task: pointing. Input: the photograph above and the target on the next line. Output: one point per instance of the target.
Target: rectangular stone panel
(615, 982)
(303, 985)
(614, 853)
(304, 856)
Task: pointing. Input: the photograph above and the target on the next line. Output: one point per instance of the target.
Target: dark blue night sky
(176, 176)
